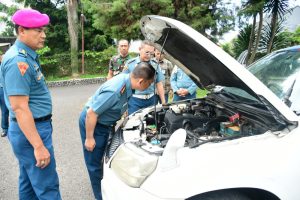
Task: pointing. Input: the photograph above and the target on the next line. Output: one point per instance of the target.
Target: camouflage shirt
(166, 68)
(116, 63)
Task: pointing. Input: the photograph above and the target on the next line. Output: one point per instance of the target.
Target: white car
(240, 142)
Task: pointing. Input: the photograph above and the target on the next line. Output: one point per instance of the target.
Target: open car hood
(205, 62)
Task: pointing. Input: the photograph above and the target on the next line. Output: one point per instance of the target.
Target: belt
(40, 119)
(105, 126)
(143, 96)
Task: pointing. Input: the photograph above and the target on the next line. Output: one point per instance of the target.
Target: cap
(30, 18)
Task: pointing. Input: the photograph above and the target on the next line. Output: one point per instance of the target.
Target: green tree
(280, 39)
(9, 29)
(56, 29)
(277, 9)
(241, 43)
(252, 8)
(206, 16)
(120, 18)
(295, 38)
(58, 20)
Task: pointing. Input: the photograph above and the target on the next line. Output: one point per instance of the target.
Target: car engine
(203, 121)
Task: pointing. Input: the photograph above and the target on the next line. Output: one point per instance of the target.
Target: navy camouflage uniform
(179, 79)
(109, 102)
(166, 68)
(145, 98)
(116, 63)
(21, 74)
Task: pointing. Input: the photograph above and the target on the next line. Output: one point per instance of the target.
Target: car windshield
(278, 71)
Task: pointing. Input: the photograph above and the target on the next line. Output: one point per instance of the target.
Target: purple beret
(30, 18)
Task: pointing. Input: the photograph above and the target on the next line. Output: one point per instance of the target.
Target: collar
(22, 46)
(124, 56)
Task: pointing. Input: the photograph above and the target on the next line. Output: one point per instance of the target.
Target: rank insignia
(23, 66)
(123, 89)
(22, 51)
(125, 68)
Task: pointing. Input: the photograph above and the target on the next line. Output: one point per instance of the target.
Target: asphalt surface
(74, 182)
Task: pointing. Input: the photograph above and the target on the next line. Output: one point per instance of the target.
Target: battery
(228, 128)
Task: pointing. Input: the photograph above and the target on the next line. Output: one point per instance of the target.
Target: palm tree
(253, 8)
(281, 39)
(277, 9)
(242, 41)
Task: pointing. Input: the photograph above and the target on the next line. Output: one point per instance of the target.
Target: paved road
(74, 182)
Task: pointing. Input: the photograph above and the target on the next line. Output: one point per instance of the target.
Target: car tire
(221, 195)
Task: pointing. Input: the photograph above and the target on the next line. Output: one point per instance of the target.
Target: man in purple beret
(30, 108)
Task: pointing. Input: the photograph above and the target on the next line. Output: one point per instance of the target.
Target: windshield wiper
(232, 98)
(286, 98)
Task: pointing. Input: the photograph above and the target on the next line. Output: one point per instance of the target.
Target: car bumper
(114, 189)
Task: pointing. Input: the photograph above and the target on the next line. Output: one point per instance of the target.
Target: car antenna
(161, 50)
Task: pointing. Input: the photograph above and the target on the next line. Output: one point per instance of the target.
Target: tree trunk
(252, 37)
(273, 32)
(72, 6)
(258, 36)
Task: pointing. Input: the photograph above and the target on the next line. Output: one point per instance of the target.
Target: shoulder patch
(23, 66)
(123, 89)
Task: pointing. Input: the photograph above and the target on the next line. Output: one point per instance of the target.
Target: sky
(227, 37)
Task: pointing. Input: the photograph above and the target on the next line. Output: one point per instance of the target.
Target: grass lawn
(53, 78)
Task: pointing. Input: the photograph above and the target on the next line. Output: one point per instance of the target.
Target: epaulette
(154, 61)
(23, 52)
(154, 64)
(123, 89)
(130, 60)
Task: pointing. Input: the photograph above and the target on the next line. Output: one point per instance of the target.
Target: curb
(72, 82)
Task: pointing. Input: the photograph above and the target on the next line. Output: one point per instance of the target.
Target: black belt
(40, 119)
(105, 126)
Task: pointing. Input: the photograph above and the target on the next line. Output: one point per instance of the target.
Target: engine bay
(203, 121)
(212, 119)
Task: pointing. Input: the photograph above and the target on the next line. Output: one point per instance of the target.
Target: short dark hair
(123, 40)
(146, 42)
(17, 29)
(144, 70)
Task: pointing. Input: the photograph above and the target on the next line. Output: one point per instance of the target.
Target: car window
(278, 71)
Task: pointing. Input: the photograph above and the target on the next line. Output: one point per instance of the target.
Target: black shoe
(3, 134)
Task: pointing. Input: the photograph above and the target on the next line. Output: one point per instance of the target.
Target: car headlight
(133, 165)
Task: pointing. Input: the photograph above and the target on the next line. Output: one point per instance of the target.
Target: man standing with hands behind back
(166, 68)
(29, 102)
(117, 62)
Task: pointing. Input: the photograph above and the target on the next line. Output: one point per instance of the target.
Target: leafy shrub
(59, 65)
